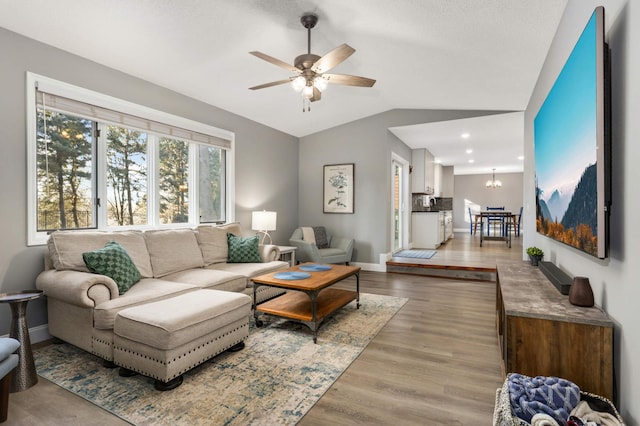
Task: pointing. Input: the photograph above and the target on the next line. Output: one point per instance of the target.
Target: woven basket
(503, 416)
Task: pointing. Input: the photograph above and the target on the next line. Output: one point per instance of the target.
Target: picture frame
(339, 188)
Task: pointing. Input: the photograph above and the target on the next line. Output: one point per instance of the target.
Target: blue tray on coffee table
(315, 267)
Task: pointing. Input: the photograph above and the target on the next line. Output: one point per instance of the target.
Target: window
(97, 162)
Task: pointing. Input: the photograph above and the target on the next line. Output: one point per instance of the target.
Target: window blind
(66, 105)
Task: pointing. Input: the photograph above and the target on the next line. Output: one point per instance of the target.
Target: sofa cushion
(232, 227)
(210, 279)
(170, 323)
(113, 261)
(250, 269)
(147, 290)
(8, 346)
(243, 250)
(213, 244)
(66, 248)
(173, 250)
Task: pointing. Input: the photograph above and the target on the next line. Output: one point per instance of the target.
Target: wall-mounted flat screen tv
(572, 147)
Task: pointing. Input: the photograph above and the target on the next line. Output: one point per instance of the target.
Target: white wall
(473, 188)
(614, 281)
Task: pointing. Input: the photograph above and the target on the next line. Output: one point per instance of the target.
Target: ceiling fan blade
(317, 94)
(333, 58)
(273, 83)
(349, 80)
(276, 61)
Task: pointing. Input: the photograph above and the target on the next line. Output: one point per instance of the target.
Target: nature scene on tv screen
(565, 151)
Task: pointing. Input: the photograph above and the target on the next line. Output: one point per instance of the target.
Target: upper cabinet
(423, 174)
(437, 180)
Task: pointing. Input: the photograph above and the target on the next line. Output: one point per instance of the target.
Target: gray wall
(615, 280)
(266, 160)
(472, 188)
(368, 144)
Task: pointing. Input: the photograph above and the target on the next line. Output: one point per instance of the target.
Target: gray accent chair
(8, 361)
(340, 249)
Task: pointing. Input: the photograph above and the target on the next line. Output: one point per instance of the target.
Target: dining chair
(495, 221)
(514, 223)
(474, 219)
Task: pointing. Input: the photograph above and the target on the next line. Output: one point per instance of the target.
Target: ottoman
(165, 339)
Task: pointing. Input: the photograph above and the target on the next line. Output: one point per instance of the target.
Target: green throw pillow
(243, 250)
(113, 261)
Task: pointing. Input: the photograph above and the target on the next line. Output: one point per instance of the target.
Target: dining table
(507, 219)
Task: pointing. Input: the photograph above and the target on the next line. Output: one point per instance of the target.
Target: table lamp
(264, 221)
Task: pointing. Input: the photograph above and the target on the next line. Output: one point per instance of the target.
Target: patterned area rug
(275, 379)
(416, 254)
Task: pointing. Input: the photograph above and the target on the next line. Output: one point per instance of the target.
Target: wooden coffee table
(312, 301)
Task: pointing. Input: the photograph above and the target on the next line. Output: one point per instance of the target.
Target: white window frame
(95, 98)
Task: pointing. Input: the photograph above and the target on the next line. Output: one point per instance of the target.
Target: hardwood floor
(435, 363)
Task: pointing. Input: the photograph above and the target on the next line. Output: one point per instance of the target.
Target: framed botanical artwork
(338, 188)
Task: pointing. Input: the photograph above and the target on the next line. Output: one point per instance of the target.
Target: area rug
(416, 254)
(275, 379)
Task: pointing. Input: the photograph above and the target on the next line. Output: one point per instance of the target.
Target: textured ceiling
(425, 54)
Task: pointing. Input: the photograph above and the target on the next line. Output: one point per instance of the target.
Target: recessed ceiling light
(469, 151)
(465, 135)
(438, 161)
(520, 157)
(471, 161)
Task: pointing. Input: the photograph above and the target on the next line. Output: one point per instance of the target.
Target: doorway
(399, 203)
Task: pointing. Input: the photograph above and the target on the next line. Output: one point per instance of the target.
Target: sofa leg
(108, 364)
(125, 372)
(236, 348)
(5, 389)
(171, 384)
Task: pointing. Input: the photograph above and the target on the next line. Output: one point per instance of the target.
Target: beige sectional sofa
(83, 306)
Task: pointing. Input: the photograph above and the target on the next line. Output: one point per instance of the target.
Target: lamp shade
(263, 221)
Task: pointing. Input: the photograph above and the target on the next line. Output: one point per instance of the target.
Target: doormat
(416, 254)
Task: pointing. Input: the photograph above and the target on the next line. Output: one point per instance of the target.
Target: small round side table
(24, 376)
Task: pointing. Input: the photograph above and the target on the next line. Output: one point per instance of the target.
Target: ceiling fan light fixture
(307, 92)
(298, 83)
(320, 83)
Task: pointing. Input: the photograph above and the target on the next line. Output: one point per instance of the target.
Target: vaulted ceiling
(424, 54)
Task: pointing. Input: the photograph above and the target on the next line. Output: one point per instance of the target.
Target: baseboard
(38, 334)
(373, 267)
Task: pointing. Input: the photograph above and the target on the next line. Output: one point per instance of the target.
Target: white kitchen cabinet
(437, 180)
(422, 174)
(427, 229)
(448, 224)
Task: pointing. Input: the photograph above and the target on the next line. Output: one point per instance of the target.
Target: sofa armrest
(305, 251)
(345, 244)
(82, 289)
(269, 252)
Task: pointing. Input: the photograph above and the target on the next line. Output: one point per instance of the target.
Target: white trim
(405, 201)
(37, 334)
(373, 267)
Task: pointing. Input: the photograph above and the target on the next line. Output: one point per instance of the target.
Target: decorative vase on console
(580, 293)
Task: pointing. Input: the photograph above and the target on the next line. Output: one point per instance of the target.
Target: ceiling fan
(311, 70)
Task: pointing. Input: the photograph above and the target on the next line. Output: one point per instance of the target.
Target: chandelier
(493, 183)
